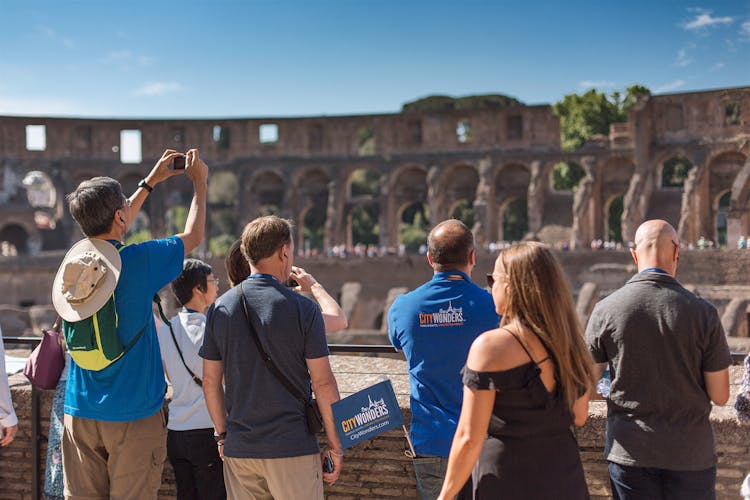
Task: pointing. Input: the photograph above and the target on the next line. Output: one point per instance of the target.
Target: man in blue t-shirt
(114, 442)
(435, 325)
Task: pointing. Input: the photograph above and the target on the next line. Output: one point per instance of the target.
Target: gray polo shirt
(658, 339)
(264, 420)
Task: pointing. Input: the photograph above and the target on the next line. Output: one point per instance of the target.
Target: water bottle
(604, 384)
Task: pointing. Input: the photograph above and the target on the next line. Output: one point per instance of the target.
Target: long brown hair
(538, 296)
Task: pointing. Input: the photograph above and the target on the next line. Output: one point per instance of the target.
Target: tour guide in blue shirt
(114, 442)
(435, 325)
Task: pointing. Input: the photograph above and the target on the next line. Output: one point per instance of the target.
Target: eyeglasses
(491, 278)
(215, 281)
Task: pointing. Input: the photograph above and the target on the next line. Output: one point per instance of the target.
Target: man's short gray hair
(93, 204)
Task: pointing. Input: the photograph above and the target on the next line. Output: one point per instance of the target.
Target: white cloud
(704, 19)
(717, 66)
(669, 86)
(745, 29)
(590, 84)
(683, 59)
(157, 89)
(53, 35)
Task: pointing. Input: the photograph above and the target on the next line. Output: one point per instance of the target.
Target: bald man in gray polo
(669, 359)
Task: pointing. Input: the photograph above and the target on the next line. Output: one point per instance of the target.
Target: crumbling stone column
(435, 196)
(481, 223)
(585, 205)
(588, 296)
(334, 215)
(635, 204)
(535, 196)
(689, 227)
(734, 319)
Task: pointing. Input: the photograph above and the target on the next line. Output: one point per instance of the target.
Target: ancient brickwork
(378, 468)
(486, 158)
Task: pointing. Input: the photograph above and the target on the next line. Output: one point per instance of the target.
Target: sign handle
(408, 440)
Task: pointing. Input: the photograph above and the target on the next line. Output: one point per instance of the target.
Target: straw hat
(86, 279)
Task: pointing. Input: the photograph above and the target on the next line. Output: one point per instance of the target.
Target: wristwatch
(143, 184)
(220, 437)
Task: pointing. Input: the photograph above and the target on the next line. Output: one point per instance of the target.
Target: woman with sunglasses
(526, 383)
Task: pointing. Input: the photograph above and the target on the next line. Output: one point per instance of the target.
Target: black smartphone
(178, 163)
(291, 283)
(327, 464)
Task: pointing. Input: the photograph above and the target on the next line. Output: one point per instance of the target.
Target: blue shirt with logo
(435, 325)
(132, 387)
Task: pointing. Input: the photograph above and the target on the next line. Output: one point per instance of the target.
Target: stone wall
(378, 468)
(486, 158)
(718, 276)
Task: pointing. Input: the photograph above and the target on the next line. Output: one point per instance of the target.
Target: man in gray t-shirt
(668, 359)
(259, 424)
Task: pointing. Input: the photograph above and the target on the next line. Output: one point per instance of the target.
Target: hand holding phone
(178, 163)
(327, 464)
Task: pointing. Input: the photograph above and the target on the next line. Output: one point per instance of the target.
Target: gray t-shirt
(264, 420)
(658, 339)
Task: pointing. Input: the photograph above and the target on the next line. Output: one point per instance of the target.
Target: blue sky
(222, 58)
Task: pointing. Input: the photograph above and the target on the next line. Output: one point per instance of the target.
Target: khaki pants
(114, 460)
(291, 478)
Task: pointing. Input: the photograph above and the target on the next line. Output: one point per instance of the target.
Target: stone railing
(378, 468)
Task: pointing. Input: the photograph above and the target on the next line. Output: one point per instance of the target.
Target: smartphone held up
(178, 163)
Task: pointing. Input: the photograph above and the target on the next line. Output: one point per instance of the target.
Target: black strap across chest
(254, 329)
(546, 358)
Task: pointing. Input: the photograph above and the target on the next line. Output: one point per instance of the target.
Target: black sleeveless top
(530, 451)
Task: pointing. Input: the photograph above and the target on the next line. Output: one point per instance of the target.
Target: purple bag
(47, 360)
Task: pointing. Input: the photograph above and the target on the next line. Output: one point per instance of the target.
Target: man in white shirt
(8, 419)
(191, 447)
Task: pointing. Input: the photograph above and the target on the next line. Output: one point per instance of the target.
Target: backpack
(93, 342)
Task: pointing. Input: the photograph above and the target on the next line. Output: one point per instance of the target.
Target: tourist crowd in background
(497, 379)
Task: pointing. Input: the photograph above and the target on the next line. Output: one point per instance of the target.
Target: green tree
(614, 221)
(365, 181)
(313, 226)
(566, 176)
(447, 103)
(582, 116)
(365, 228)
(464, 212)
(414, 227)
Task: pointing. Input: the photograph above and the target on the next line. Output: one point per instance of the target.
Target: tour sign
(367, 413)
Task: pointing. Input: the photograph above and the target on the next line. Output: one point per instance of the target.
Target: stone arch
(720, 205)
(616, 174)
(222, 219)
(672, 171)
(458, 182)
(14, 239)
(738, 217)
(311, 200)
(612, 217)
(407, 184)
(412, 233)
(509, 183)
(723, 170)
(513, 216)
(265, 194)
(363, 205)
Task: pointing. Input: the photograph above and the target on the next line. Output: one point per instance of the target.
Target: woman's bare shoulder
(495, 350)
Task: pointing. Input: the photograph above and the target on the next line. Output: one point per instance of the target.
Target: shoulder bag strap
(195, 378)
(254, 328)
